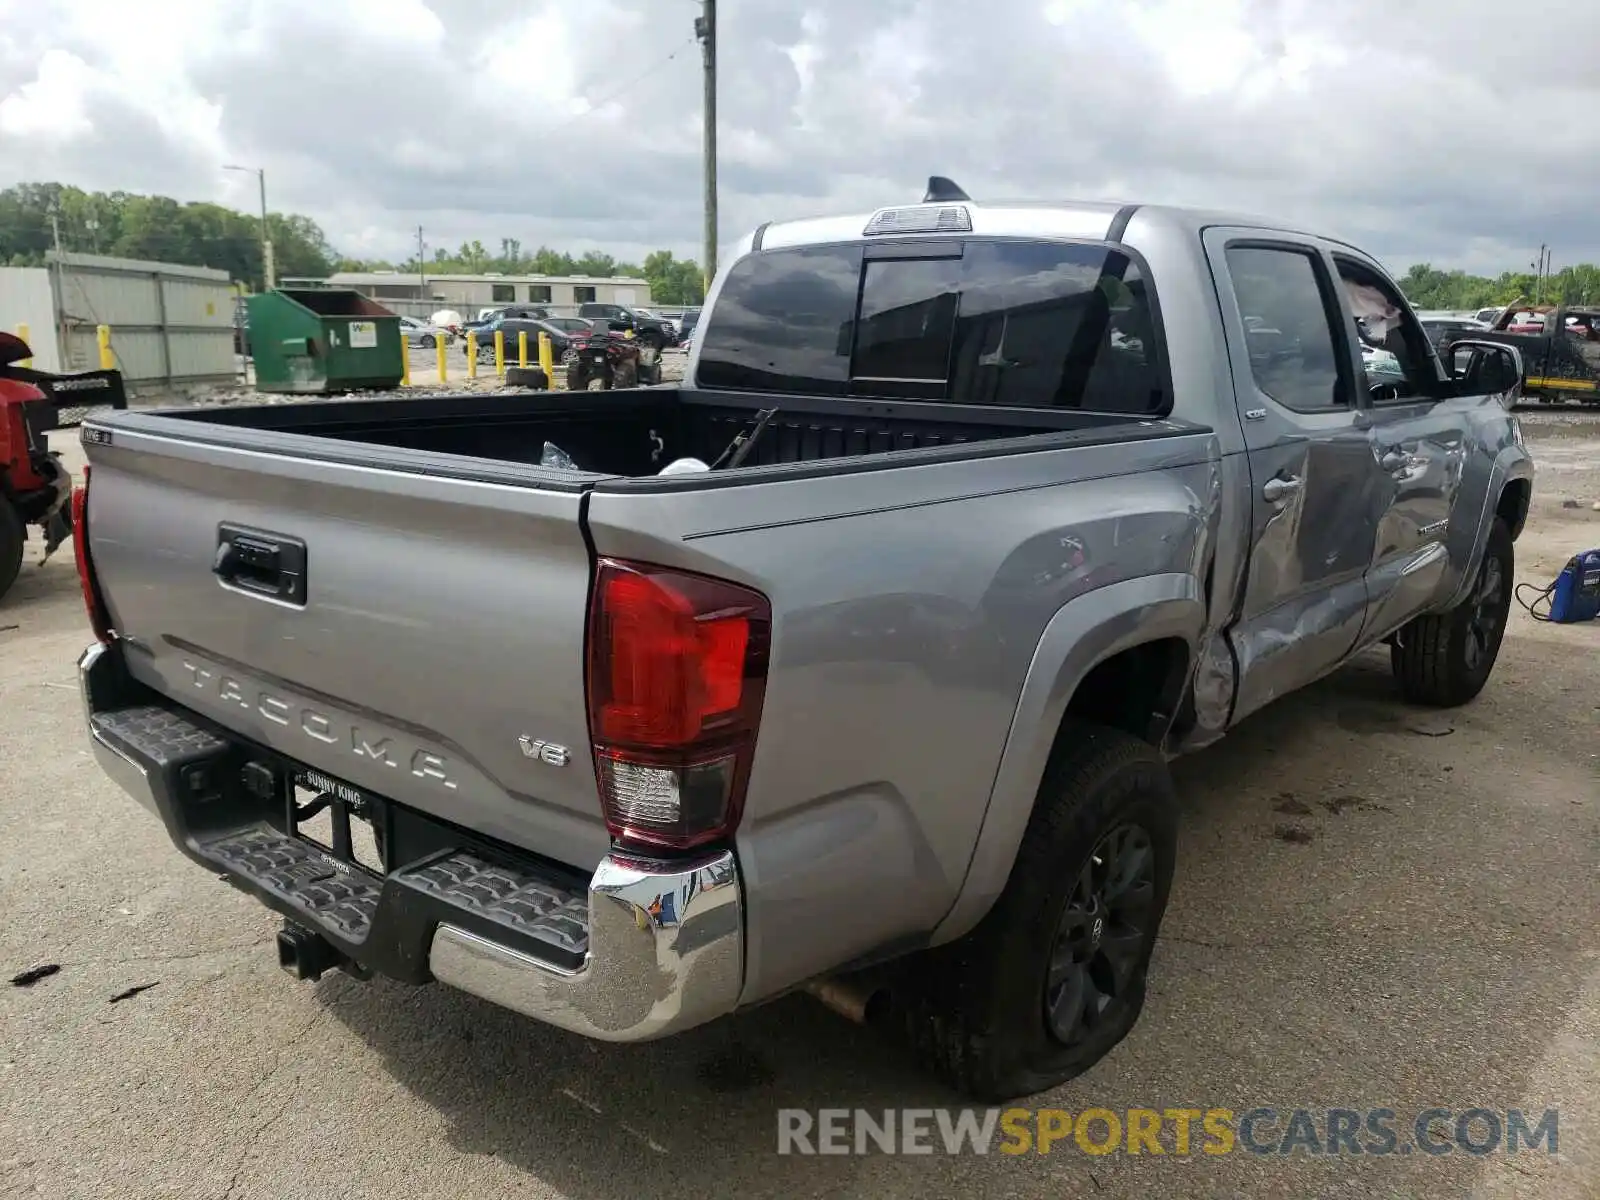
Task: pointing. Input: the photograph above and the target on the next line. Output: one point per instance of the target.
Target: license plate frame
(347, 807)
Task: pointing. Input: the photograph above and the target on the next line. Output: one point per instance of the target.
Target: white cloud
(1435, 129)
(50, 106)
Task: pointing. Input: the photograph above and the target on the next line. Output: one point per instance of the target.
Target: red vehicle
(607, 355)
(35, 489)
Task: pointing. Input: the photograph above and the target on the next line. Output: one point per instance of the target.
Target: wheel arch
(1508, 494)
(1121, 655)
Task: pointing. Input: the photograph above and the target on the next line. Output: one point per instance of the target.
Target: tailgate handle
(264, 564)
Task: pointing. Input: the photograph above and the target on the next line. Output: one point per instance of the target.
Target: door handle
(1277, 488)
(267, 564)
(1393, 460)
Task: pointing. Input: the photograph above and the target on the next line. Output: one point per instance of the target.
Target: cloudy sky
(1437, 130)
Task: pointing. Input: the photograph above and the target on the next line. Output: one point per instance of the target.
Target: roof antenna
(940, 188)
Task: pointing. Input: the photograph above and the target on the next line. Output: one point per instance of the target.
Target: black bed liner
(621, 439)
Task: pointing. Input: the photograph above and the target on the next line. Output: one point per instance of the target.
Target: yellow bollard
(25, 333)
(444, 367)
(547, 359)
(405, 361)
(472, 354)
(522, 348)
(108, 360)
(499, 351)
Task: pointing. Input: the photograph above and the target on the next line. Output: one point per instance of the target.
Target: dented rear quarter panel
(908, 608)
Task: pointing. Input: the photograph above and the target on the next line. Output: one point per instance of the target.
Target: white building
(418, 296)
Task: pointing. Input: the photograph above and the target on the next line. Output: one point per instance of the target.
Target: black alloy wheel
(1489, 610)
(1101, 937)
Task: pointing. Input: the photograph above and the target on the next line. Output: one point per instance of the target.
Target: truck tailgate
(442, 620)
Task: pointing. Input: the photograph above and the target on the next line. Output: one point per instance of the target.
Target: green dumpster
(324, 340)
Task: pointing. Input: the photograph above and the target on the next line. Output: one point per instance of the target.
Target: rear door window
(1021, 324)
(1288, 313)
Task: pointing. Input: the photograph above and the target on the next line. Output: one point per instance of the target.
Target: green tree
(673, 281)
(155, 227)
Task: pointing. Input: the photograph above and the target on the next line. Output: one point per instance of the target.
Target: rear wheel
(1444, 659)
(1053, 977)
(429, 341)
(12, 535)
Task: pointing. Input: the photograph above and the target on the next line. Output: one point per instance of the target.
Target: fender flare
(1513, 463)
(1084, 632)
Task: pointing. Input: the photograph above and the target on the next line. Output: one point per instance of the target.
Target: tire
(652, 339)
(12, 535)
(1444, 659)
(428, 341)
(527, 377)
(978, 1012)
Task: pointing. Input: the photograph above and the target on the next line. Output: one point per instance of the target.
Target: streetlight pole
(266, 238)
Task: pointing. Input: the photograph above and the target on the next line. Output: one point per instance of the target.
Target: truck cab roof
(1087, 219)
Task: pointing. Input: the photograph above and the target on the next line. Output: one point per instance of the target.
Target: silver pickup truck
(996, 509)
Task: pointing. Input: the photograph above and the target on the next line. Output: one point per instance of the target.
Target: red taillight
(677, 673)
(99, 619)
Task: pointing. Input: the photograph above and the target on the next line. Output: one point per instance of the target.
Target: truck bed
(630, 434)
(425, 615)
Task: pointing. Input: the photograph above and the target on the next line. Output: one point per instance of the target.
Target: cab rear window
(1016, 324)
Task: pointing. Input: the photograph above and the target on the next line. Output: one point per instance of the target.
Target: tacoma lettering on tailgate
(319, 726)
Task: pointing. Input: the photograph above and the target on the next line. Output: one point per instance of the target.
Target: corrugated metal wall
(170, 324)
(26, 299)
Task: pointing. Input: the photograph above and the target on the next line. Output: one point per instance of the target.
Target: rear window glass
(1005, 323)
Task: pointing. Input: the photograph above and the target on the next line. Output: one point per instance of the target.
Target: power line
(596, 105)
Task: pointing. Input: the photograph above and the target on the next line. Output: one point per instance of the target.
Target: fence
(170, 324)
(28, 306)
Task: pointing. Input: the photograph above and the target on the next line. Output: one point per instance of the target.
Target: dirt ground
(1374, 907)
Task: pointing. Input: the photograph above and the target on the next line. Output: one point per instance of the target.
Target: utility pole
(705, 28)
(266, 237)
(1541, 272)
(422, 276)
(61, 291)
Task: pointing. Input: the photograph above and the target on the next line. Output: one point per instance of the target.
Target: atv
(35, 489)
(613, 360)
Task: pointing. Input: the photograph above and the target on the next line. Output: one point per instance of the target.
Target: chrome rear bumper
(665, 940)
(665, 954)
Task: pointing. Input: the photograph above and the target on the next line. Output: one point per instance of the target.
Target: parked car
(560, 339)
(571, 325)
(1444, 330)
(521, 312)
(652, 331)
(424, 333)
(852, 664)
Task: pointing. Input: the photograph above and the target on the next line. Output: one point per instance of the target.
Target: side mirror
(1487, 369)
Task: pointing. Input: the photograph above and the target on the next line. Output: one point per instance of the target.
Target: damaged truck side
(1041, 497)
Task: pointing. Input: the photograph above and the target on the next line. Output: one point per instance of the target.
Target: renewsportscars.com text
(1180, 1132)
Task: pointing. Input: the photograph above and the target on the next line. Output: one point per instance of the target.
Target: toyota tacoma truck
(852, 665)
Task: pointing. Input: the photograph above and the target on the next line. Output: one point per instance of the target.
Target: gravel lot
(1374, 907)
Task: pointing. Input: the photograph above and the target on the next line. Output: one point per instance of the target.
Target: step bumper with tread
(642, 949)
